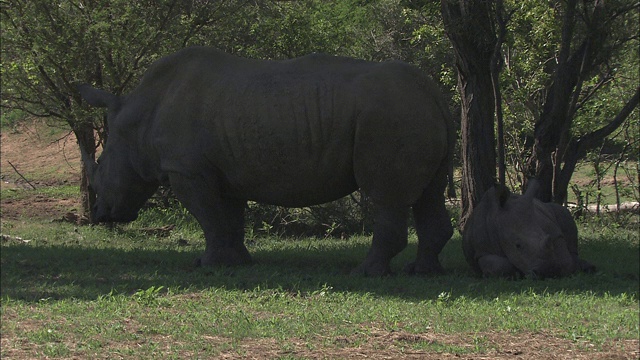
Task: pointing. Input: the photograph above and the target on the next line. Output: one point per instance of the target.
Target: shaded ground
(47, 158)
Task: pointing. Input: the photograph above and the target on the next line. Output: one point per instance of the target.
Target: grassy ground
(91, 291)
(131, 292)
(584, 180)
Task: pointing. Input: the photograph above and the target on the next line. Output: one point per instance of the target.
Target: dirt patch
(42, 157)
(374, 345)
(401, 345)
(36, 206)
(496, 345)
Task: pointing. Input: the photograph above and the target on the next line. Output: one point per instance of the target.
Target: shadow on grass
(32, 273)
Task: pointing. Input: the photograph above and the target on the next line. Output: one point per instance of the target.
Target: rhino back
(283, 132)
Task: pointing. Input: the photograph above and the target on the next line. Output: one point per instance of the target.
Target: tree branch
(590, 140)
(591, 91)
(22, 176)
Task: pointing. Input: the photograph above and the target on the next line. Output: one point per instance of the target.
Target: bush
(11, 118)
(350, 215)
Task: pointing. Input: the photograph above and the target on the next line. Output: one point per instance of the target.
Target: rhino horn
(502, 194)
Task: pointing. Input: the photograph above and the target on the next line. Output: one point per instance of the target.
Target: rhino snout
(553, 269)
(104, 214)
(99, 214)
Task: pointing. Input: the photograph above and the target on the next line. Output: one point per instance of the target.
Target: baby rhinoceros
(510, 235)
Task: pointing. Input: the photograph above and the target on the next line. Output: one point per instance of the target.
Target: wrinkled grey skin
(222, 130)
(511, 235)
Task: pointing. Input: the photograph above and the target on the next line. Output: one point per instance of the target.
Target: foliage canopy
(48, 47)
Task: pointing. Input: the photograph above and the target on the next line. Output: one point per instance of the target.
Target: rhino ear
(502, 194)
(533, 189)
(97, 97)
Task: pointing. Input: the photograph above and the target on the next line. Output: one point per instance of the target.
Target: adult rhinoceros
(511, 235)
(222, 130)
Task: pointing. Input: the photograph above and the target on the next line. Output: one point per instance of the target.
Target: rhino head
(532, 234)
(121, 191)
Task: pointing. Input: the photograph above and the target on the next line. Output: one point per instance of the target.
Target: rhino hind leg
(433, 226)
(221, 219)
(389, 238)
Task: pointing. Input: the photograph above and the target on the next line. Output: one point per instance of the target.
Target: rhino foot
(373, 269)
(416, 268)
(586, 266)
(224, 257)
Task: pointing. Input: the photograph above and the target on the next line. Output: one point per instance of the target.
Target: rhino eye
(518, 246)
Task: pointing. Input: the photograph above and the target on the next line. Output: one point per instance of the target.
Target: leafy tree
(287, 29)
(569, 79)
(591, 39)
(48, 47)
(563, 60)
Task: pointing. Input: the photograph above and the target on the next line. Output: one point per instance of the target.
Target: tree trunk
(85, 136)
(496, 66)
(552, 133)
(578, 149)
(469, 24)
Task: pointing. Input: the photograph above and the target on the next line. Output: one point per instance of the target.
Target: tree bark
(496, 66)
(469, 24)
(85, 136)
(578, 149)
(552, 132)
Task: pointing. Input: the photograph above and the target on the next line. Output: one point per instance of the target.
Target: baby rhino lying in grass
(513, 235)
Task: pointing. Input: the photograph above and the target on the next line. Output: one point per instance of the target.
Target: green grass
(584, 180)
(53, 192)
(10, 118)
(92, 291)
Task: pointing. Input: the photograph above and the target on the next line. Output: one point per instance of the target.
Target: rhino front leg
(585, 266)
(389, 238)
(570, 232)
(221, 219)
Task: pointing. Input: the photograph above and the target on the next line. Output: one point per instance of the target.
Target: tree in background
(586, 60)
(561, 61)
(569, 66)
(471, 27)
(49, 47)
